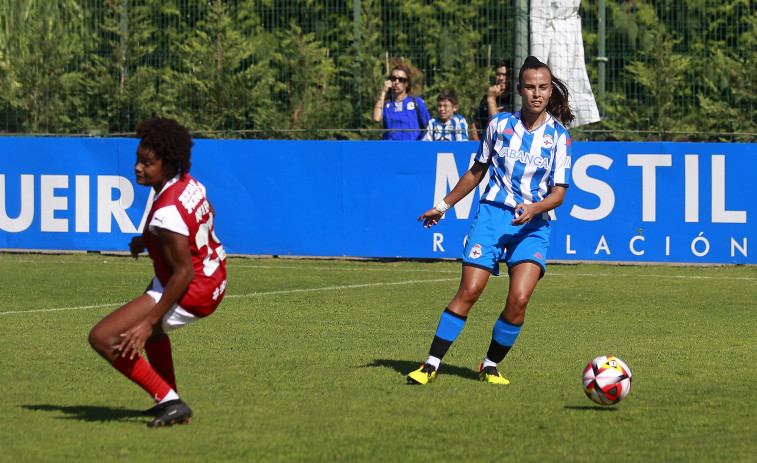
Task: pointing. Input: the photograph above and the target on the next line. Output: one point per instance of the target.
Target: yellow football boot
(491, 375)
(423, 375)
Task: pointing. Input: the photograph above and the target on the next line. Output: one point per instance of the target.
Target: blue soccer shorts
(492, 236)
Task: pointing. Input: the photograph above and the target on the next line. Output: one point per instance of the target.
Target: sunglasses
(394, 78)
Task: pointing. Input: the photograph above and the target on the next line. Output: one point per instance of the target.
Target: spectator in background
(448, 126)
(496, 100)
(405, 115)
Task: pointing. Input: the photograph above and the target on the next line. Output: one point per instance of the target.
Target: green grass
(305, 361)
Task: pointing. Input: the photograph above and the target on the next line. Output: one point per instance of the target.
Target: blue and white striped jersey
(525, 165)
(456, 129)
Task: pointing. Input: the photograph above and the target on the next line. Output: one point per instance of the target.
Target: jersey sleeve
(169, 218)
(429, 134)
(462, 133)
(486, 147)
(562, 164)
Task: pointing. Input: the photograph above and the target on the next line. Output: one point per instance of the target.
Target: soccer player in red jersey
(190, 271)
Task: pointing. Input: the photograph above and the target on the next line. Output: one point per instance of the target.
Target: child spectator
(448, 126)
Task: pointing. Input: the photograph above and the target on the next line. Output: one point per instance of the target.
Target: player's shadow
(593, 408)
(406, 366)
(88, 412)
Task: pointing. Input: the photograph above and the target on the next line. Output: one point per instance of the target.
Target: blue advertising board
(629, 202)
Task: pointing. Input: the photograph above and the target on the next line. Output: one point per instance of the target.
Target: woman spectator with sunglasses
(406, 116)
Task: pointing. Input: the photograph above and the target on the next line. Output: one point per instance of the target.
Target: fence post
(601, 58)
(358, 64)
(521, 51)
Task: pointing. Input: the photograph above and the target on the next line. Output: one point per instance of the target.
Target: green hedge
(676, 70)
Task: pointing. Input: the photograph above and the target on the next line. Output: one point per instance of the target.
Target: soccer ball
(607, 380)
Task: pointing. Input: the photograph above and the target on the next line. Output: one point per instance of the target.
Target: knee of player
(93, 338)
(517, 302)
(98, 339)
(470, 292)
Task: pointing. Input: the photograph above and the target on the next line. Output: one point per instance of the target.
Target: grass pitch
(305, 360)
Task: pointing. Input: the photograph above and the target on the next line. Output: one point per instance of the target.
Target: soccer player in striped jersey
(448, 126)
(529, 155)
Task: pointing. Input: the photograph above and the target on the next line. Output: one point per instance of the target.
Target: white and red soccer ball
(607, 380)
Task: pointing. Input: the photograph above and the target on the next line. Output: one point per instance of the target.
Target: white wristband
(442, 207)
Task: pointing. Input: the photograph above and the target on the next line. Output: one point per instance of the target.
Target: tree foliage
(684, 70)
(43, 48)
(677, 70)
(219, 72)
(123, 85)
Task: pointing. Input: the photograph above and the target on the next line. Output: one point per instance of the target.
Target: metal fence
(309, 69)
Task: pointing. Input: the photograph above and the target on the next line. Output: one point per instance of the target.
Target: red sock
(159, 355)
(139, 371)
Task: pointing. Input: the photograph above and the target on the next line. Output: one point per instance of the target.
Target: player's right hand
(430, 217)
(494, 91)
(136, 246)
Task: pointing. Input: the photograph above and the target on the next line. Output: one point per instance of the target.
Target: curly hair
(169, 140)
(558, 102)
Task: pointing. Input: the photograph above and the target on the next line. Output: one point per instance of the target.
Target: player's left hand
(524, 213)
(134, 339)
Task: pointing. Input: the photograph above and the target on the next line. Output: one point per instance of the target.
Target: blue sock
(450, 325)
(505, 333)
(503, 338)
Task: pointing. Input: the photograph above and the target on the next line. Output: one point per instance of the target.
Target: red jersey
(183, 208)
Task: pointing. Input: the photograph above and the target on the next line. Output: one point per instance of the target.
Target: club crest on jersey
(548, 142)
(411, 105)
(475, 253)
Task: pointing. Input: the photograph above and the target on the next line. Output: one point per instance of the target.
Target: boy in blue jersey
(528, 153)
(448, 126)
(405, 116)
